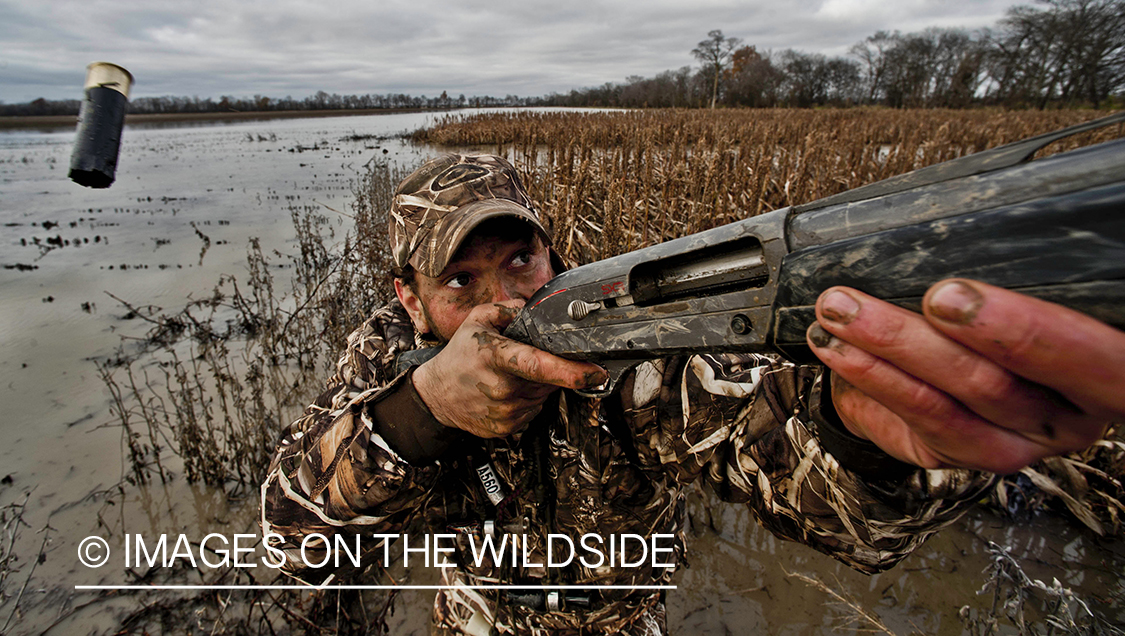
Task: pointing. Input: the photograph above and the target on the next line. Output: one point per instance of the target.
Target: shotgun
(1053, 228)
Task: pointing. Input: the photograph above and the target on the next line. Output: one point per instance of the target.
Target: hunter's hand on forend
(987, 379)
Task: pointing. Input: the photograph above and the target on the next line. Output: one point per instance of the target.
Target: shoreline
(62, 121)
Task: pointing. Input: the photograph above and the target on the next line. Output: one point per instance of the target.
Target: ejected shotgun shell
(93, 162)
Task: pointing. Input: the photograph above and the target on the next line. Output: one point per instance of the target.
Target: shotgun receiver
(1053, 228)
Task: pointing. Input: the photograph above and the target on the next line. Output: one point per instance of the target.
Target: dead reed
(1030, 605)
(852, 614)
(216, 381)
(611, 182)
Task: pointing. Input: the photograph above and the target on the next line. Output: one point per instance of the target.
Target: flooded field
(187, 201)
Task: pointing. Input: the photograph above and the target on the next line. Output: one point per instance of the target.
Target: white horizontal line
(375, 587)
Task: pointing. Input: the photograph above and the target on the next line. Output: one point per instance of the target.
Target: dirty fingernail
(956, 302)
(595, 379)
(839, 307)
(820, 338)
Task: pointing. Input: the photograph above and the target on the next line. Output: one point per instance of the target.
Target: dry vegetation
(617, 181)
(215, 383)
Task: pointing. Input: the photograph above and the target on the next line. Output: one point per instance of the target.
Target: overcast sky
(276, 48)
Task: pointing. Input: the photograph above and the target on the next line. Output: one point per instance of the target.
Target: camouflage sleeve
(742, 422)
(334, 476)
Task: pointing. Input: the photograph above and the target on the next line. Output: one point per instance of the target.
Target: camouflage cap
(439, 204)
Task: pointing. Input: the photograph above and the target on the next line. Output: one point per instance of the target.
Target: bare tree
(958, 68)
(872, 53)
(1069, 51)
(1094, 34)
(812, 79)
(714, 53)
(752, 79)
(842, 76)
(805, 82)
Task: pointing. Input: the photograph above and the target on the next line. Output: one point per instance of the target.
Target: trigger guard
(617, 370)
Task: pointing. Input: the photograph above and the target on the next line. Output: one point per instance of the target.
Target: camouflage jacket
(605, 466)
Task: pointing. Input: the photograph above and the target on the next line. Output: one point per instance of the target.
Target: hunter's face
(496, 263)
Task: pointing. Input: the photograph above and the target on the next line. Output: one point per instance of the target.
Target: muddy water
(186, 201)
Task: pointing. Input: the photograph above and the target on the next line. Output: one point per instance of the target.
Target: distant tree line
(1055, 53)
(260, 103)
(1059, 52)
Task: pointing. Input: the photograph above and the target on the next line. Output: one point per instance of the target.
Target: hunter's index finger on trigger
(536, 365)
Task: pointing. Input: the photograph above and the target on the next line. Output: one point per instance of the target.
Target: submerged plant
(1031, 605)
(216, 381)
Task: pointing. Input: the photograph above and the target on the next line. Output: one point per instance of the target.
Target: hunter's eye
(521, 259)
(458, 281)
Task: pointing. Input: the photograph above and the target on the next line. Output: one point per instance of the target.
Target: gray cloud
(297, 47)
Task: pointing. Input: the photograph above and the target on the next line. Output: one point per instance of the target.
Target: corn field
(611, 182)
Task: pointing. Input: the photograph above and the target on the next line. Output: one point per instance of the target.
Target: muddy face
(496, 263)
